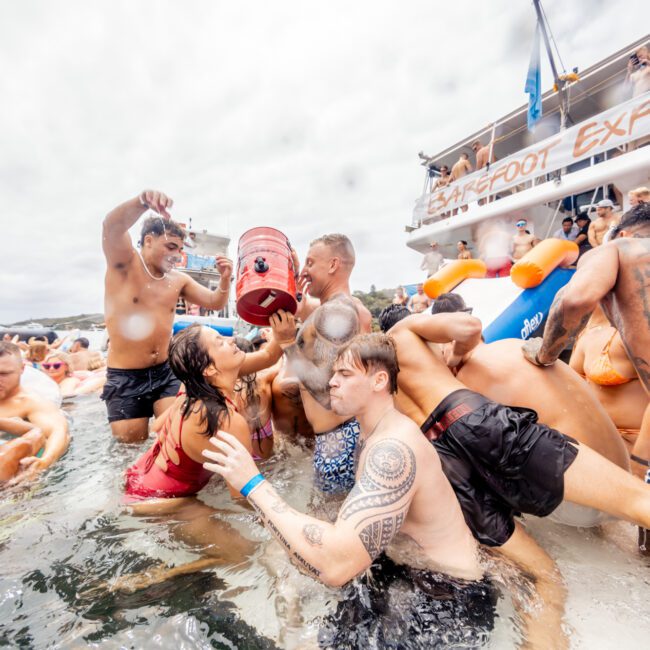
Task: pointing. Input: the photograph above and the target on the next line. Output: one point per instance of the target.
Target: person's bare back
(561, 398)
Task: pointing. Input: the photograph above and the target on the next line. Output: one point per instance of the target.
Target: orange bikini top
(602, 371)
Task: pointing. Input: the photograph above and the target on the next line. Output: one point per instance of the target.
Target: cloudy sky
(300, 115)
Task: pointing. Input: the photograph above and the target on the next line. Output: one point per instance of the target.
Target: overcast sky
(300, 115)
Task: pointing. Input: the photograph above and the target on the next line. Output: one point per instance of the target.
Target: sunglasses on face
(53, 366)
(520, 224)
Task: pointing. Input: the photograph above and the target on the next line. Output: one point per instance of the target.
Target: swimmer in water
(166, 479)
(390, 505)
(614, 275)
(15, 402)
(141, 292)
(600, 357)
(331, 318)
(25, 442)
(57, 367)
(500, 460)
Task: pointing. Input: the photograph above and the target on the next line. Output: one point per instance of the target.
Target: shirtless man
(638, 72)
(331, 318)
(15, 402)
(600, 226)
(482, 152)
(419, 301)
(141, 292)
(443, 180)
(398, 473)
(81, 358)
(499, 460)
(328, 266)
(288, 413)
(461, 167)
(522, 242)
(616, 276)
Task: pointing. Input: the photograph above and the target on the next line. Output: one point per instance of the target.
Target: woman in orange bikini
(599, 356)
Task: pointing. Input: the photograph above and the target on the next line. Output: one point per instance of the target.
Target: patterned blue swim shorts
(334, 461)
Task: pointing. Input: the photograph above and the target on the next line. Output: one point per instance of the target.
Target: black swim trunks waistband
(140, 371)
(453, 407)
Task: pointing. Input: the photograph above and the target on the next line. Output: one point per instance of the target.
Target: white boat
(542, 177)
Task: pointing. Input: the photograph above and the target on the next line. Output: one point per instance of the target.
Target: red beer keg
(266, 278)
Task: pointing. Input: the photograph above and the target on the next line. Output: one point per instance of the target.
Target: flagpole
(556, 78)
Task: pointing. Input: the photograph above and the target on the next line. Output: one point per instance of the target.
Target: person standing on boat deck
(482, 152)
(419, 301)
(432, 260)
(604, 221)
(443, 180)
(616, 275)
(399, 488)
(141, 293)
(463, 252)
(582, 238)
(461, 167)
(568, 231)
(522, 240)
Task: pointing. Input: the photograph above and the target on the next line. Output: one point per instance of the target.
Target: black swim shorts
(131, 393)
(500, 461)
(394, 606)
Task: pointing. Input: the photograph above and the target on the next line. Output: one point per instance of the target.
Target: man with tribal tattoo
(615, 275)
(399, 488)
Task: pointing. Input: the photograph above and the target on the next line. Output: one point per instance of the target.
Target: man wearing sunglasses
(142, 289)
(40, 413)
(522, 240)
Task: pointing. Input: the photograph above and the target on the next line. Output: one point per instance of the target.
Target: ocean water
(66, 538)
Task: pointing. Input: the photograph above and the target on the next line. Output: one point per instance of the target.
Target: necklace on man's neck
(146, 268)
(384, 414)
(362, 441)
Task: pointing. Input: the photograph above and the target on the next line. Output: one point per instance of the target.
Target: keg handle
(260, 265)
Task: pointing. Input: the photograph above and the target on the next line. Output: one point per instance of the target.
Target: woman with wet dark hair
(209, 366)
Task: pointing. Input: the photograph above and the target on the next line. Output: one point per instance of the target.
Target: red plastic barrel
(265, 275)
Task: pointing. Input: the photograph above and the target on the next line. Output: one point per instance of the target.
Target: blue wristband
(251, 485)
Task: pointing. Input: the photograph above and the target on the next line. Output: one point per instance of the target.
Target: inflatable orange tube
(452, 274)
(533, 268)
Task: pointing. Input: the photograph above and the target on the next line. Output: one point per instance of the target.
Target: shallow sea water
(63, 538)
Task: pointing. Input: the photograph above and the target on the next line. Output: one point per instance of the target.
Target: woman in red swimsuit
(166, 479)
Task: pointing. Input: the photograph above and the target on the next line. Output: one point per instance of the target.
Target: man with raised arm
(141, 291)
(399, 488)
(615, 275)
(15, 402)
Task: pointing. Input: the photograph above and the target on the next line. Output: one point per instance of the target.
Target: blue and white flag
(534, 84)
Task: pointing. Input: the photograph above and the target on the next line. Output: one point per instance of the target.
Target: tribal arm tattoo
(378, 503)
(372, 514)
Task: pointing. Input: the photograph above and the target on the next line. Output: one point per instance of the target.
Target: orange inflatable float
(452, 274)
(533, 268)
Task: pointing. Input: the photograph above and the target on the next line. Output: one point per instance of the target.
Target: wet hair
(449, 303)
(188, 360)
(373, 352)
(158, 226)
(7, 348)
(567, 220)
(637, 218)
(463, 242)
(247, 386)
(83, 342)
(339, 244)
(391, 315)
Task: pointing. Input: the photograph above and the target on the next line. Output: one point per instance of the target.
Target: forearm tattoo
(280, 506)
(560, 330)
(388, 474)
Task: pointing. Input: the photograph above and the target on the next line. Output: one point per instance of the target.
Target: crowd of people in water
(428, 443)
